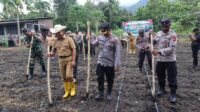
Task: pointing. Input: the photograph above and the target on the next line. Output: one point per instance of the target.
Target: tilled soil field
(20, 95)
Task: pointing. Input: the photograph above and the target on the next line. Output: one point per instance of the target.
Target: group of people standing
(67, 46)
(164, 49)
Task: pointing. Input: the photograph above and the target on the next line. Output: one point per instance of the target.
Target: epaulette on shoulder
(115, 37)
(172, 31)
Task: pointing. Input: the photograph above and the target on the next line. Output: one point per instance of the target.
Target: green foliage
(177, 26)
(117, 32)
(184, 13)
(77, 15)
(10, 8)
(62, 6)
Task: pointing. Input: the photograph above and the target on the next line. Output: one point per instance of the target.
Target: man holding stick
(36, 51)
(108, 60)
(166, 41)
(65, 48)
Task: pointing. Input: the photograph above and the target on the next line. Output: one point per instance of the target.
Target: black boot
(161, 92)
(99, 97)
(140, 69)
(44, 72)
(172, 98)
(109, 97)
(109, 89)
(30, 76)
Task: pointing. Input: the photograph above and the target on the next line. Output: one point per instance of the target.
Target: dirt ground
(20, 95)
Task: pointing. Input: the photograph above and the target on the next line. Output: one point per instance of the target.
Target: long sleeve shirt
(196, 42)
(109, 51)
(36, 45)
(93, 38)
(166, 44)
(143, 42)
(78, 38)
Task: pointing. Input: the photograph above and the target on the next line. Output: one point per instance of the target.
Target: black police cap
(141, 31)
(105, 25)
(165, 22)
(25, 30)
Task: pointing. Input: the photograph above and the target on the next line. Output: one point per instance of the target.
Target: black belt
(64, 56)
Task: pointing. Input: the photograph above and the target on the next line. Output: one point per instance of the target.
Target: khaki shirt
(50, 40)
(64, 47)
(131, 41)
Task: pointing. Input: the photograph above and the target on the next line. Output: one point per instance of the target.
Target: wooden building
(10, 27)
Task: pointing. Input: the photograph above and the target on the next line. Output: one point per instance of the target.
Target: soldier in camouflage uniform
(166, 41)
(36, 51)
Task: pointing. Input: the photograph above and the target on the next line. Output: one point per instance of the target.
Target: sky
(81, 2)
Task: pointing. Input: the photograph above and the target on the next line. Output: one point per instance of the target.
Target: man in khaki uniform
(65, 48)
(131, 43)
(50, 40)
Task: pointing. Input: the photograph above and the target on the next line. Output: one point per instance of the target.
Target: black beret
(141, 31)
(195, 30)
(165, 22)
(105, 25)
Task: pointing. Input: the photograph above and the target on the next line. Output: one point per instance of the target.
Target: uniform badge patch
(174, 38)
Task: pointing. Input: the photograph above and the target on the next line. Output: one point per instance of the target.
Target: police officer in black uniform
(195, 45)
(166, 41)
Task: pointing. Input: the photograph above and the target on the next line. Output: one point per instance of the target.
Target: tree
(77, 15)
(41, 8)
(62, 7)
(180, 11)
(10, 8)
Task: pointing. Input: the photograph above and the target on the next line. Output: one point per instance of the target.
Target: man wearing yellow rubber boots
(65, 48)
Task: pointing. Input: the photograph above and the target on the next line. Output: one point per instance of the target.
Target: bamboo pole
(29, 57)
(48, 76)
(83, 48)
(127, 44)
(18, 26)
(152, 70)
(88, 66)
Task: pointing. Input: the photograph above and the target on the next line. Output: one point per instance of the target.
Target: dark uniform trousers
(142, 54)
(80, 45)
(171, 68)
(110, 74)
(195, 49)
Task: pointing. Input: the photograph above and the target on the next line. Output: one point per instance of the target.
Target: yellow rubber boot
(67, 89)
(73, 89)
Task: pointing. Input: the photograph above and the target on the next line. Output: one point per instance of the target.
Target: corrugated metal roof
(22, 20)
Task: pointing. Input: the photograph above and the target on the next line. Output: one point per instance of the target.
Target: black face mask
(165, 29)
(196, 33)
(141, 34)
(105, 32)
